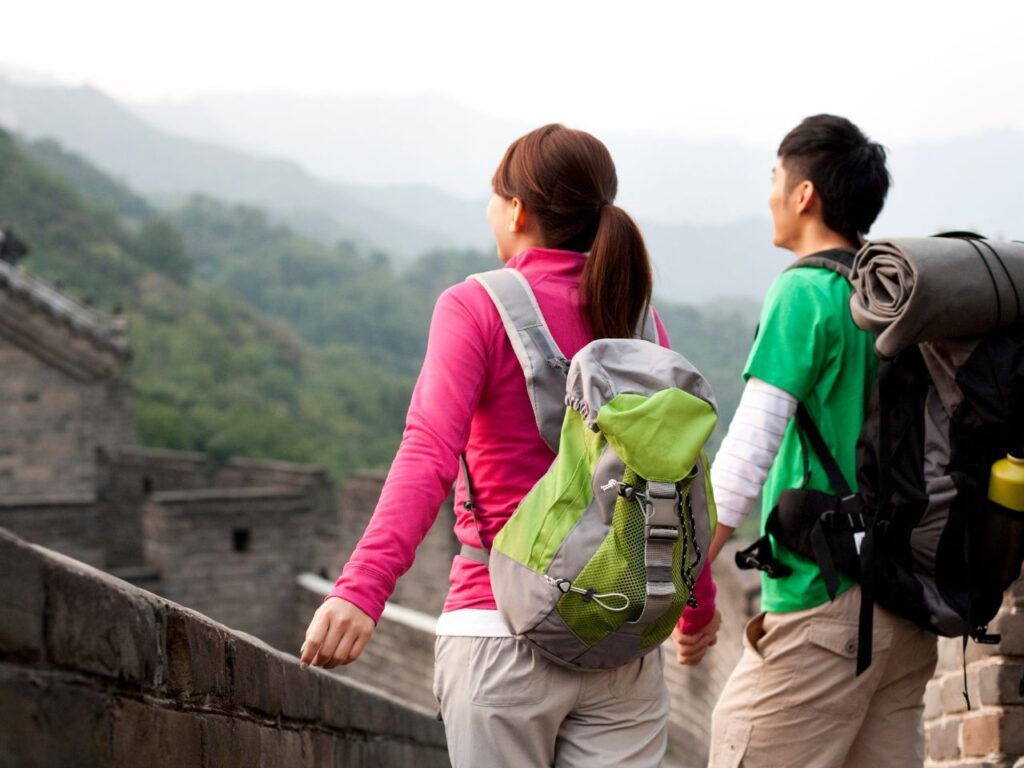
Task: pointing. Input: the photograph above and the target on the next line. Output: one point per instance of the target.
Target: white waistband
(472, 622)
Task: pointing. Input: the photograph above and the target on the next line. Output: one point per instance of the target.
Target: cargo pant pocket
(505, 672)
(642, 679)
(728, 751)
(828, 680)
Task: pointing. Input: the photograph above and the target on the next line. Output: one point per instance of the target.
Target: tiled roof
(104, 330)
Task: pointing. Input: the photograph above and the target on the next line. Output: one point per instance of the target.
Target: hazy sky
(903, 69)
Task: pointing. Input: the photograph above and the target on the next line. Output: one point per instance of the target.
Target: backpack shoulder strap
(543, 364)
(838, 260)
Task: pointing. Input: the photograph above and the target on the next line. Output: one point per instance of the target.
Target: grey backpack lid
(608, 367)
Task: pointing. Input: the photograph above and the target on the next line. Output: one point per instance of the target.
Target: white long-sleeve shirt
(749, 448)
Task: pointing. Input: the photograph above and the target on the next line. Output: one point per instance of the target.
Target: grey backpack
(599, 559)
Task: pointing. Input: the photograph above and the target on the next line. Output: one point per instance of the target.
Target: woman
(554, 220)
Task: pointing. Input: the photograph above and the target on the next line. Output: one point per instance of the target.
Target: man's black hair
(847, 169)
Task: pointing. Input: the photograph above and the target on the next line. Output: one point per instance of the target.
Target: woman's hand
(690, 649)
(337, 634)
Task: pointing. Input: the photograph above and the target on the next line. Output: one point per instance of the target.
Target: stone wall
(97, 673)
(129, 475)
(72, 524)
(52, 422)
(991, 735)
(233, 554)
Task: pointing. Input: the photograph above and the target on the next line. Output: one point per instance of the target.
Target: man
(794, 699)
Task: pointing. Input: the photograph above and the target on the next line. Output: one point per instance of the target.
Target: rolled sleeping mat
(913, 289)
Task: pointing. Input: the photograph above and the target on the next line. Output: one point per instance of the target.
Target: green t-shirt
(807, 345)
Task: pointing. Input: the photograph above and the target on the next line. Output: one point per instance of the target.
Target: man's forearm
(722, 534)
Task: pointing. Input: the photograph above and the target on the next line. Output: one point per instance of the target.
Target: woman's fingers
(315, 634)
(359, 645)
(335, 636)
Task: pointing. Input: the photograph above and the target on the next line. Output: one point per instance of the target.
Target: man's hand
(690, 649)
(337, 634)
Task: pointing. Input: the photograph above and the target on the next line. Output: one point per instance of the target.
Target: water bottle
(1004, 524)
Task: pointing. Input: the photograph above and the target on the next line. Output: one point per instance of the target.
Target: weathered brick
(998, 684)
(45, 723)
(230, 743)
(146, 735)
(300, 692)
(994, 732)
(99, 624)
(943, 739)
(932, 699)
(258, 676)
(323, 750)
(21, 597)
(1011, 627)
(981, 734)
(196, 652)
(1014, 597)
(279, 748)
(951, 692)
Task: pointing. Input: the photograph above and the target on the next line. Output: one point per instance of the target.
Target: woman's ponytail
(617, 279)
(567, 180)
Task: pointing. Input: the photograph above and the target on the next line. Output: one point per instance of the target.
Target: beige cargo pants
(503, 704)
(794, 700)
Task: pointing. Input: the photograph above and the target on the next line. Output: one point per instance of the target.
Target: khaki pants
(504, 704)
(794, 701)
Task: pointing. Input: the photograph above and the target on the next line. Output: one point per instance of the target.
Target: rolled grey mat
(913, 289)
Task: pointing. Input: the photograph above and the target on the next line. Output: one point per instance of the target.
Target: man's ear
(806, 196)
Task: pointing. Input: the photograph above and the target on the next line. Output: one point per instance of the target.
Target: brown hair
(567, 180)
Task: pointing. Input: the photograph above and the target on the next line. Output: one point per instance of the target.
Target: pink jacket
(470, 396)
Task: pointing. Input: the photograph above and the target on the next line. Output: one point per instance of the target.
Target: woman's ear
(518, 220)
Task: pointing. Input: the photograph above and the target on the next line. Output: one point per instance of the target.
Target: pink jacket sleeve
(437, 427)
(695, 619)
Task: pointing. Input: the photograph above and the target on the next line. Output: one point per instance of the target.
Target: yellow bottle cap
(1006, 484)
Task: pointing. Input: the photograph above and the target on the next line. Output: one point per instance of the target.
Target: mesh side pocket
(618, 567)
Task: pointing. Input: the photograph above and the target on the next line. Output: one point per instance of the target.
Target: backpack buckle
(661, 500)
(663, 532)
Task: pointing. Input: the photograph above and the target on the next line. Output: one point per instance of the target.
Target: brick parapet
(96, 672)
(991, 733)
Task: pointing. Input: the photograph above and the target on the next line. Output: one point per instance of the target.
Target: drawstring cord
(564, 586)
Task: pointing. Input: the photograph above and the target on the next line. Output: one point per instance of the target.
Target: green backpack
(599, 559)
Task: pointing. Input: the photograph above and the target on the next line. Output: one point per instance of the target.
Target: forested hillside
(210, 371)
(252, 339)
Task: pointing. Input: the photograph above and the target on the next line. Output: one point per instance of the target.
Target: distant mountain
(700, 265)
(974, 183)
(161, 164)
(429, 141)
(701, 206)
(402, 221)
